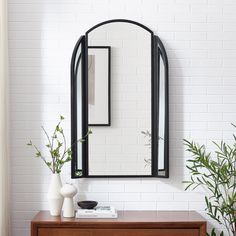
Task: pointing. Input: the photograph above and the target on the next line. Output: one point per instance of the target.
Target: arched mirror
(119, 91)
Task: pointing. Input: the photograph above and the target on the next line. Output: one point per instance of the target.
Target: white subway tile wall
(199, 36)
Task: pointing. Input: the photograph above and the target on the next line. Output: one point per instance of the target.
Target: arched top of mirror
(129, 22)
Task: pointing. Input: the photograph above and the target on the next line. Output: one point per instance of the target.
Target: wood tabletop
(128, 217)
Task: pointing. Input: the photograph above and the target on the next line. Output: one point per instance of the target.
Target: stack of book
(97, 212)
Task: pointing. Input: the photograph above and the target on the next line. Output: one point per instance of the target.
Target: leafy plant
(216, 173)
(57, 147)
(213, 233)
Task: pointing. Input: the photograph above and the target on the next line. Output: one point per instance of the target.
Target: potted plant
(59, 154)
(216, 172)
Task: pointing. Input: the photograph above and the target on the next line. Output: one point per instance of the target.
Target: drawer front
(63, 232)
(116, 232)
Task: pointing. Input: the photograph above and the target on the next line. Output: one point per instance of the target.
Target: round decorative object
(55, 199)
(87, 204)
(68, 191)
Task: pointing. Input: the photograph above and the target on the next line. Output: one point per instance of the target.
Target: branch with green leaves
(57, 147)
(147, 135)
(216, 173)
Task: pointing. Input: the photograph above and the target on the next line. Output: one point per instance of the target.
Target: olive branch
(57, 147)
(217, 173)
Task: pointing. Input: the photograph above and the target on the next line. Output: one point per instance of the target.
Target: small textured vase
(55, 199)
(68, 191)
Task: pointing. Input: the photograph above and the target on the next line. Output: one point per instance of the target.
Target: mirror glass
(162, 118)
(119, 100)
(78, 86)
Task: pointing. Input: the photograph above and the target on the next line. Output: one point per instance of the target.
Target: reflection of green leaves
(57, 147)
(78, 173)
(30, 143)
(38, 154)
(148, 135)
(148, 162)
(217, 173)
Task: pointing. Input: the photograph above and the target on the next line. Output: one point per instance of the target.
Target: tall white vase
(55, 199)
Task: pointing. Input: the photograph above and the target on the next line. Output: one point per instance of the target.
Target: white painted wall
(199, 36)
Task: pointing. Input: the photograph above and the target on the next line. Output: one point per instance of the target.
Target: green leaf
(29, 143)
(78, 173)
(57, 128)
(38, 154)
(49, 163)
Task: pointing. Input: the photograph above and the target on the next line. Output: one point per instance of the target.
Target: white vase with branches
(59, 155)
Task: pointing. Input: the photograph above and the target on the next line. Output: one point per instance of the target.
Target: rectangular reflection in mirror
(98, 85)
(161, 141)
(122, 148)
(91, 81)
(78, 73)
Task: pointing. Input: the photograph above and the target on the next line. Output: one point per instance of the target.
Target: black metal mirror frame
(157, 52)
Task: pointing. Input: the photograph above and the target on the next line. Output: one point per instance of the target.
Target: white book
(98, 212)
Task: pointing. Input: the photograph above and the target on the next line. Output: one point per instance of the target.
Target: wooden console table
(128, 223)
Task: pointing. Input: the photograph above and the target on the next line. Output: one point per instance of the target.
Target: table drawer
(116, 232)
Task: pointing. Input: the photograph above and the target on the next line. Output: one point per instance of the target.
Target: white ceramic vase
(55, 199)
(68, 191)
